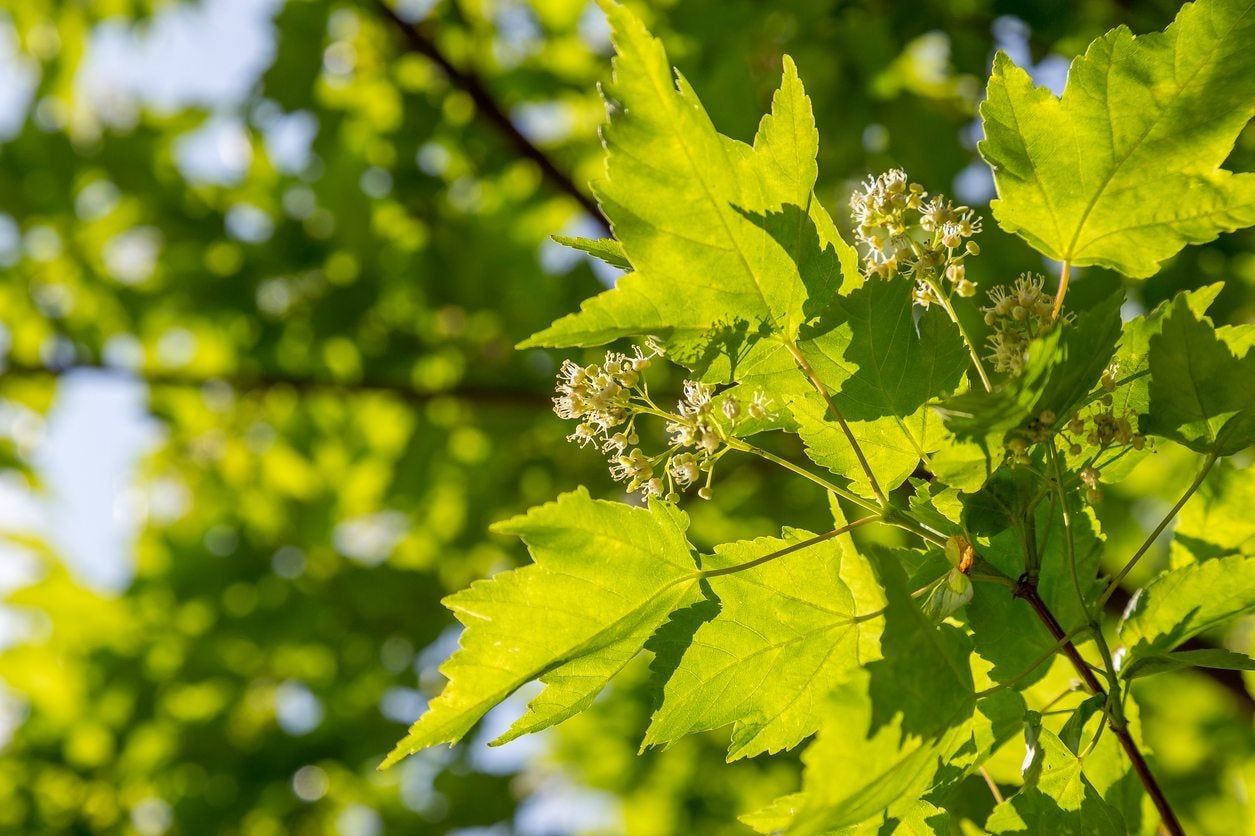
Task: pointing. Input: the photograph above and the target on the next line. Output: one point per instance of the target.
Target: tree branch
(1026, 589)
(262, 381)
(487, 106)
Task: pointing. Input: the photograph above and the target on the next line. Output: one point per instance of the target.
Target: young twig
(806, 368)
(811, 541)
(1064, 275)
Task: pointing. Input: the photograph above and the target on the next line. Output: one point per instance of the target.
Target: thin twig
(1154, 535)
(811, 541)
(486, 105)
(806, 368)
(1064, 275)
(993, 787)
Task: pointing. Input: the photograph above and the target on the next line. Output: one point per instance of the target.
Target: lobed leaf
(1056, 797)
(1124, 169)
(606, 576)
(701, 217)
(1200, 388)
(785, 633)
(1217, 521)
(883, 370)
(893, 726)
(1180, 604)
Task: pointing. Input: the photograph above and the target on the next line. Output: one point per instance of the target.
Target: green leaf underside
(881, 372)
(1133, 354)
(1180, 604)
(919, 818)
(606, 575)
(716, 231)
(1058, 798)
(1217, 521)
(889, 444)
(1200, 390)
(1005, 631)
(1062, 368)
(877, 363)
(785, 633)
(1123, 170)
(1209, 657)
(607, 249)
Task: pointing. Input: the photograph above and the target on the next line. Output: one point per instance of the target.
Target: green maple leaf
(785, 633)
(916, 819)
(1056, 797)
(1131, 360)
(1180, 604)
(716, 231)
(606, 576)
(1217, 521)
(606, 249)
(1061, 369)
(1200, 390)
(882, 372)
(1123, 170)
(893, 727)
(1208, 657)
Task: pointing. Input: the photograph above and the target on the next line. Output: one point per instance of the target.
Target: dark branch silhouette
(245, 381)
(487, 106)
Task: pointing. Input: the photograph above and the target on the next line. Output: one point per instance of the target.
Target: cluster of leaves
(341, 417)
(741, 273)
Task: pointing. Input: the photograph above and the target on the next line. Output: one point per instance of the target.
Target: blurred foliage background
(262, 265)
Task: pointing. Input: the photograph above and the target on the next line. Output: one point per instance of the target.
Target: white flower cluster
(698, 436)
(599, 397)
(902, 232)
(1017, 315)
(607, 399)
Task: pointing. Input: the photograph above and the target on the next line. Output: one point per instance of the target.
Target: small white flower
(684, 469)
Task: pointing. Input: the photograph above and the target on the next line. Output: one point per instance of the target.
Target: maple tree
(294, 242)
(906, 664)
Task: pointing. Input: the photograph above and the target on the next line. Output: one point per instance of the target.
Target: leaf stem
(866, 505)
(806, 368)
(1064, 276)
(1037, 663)
(1154, 535)
(758, 561)
(993, 787)
(887, 515)
(940, 295)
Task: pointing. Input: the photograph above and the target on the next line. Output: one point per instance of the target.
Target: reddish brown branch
(1026, 589)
